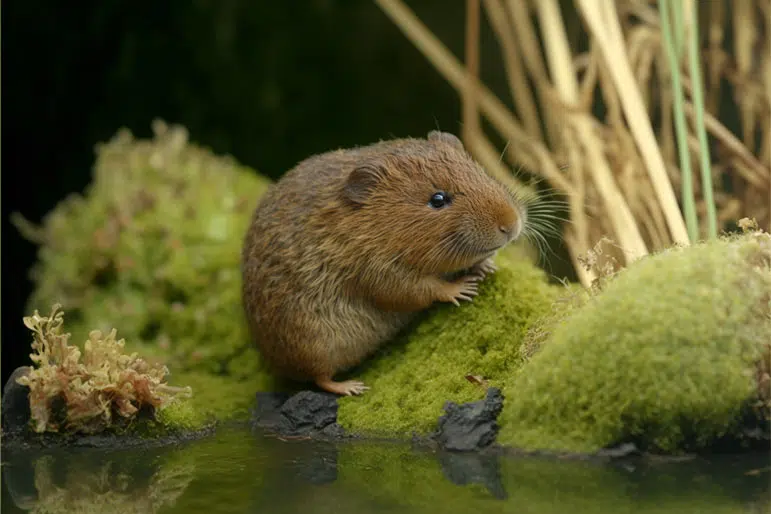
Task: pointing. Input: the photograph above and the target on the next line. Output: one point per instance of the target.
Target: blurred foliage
(153, 249)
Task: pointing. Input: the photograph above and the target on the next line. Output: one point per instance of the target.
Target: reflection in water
(465, 469)
(238, 472)
(94, 482)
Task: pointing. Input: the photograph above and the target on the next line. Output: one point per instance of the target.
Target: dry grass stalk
(622, 178)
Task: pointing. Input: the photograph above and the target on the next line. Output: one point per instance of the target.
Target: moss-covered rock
(667, 355)
(412, 377)
(153, 248)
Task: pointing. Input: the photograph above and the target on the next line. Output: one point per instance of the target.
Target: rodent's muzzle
(510, 226)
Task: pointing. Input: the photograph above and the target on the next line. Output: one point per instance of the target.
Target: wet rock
(304, 413)
(266, 412)
(470, 426)
(15, 403)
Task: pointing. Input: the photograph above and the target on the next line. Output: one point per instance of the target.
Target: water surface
(240, 472)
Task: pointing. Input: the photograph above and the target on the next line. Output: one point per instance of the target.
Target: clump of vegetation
(670, 354)
(153, 246)
(451, 353)
(106, 387)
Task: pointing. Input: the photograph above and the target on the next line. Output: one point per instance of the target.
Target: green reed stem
(689, 204)
(698, 106)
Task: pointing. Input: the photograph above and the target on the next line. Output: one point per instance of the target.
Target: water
(238, 472)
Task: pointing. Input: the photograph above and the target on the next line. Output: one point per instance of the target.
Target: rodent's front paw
(484, 268)
(464, 288)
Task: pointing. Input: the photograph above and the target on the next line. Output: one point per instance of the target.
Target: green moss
(665, 355)
(412, 377)
(214, 399)
(153, 248)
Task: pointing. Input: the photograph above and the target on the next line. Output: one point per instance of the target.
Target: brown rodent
(347, 246)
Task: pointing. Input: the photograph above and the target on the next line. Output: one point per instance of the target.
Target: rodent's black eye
(439, 200)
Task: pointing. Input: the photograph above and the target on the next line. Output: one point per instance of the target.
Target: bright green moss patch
(666, 355)
(214, 399)
(153, 248)
(413, 376)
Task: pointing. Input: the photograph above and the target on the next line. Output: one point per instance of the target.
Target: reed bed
(652, 122)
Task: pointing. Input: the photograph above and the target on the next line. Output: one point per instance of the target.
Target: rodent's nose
(511, 230)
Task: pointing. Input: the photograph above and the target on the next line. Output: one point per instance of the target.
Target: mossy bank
(672, 354)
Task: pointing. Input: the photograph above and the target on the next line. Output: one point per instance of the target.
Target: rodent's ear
(436, 135)
(362, 181)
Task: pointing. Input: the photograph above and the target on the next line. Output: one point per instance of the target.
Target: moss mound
(666, 355)
(153, 249)
(412, 377)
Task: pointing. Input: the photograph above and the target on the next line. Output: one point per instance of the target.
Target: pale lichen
(105, 387)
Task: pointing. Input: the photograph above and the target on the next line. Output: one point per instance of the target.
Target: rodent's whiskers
(542, 220)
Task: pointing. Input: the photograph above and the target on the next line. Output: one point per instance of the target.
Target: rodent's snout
(510, 224)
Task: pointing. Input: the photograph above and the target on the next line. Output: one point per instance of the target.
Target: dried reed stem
(471, 126)
(612, 48)
(560, 66)
(521, 91)
(449, 66)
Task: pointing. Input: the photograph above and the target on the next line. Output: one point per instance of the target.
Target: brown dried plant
(107, 387)
(615, 159)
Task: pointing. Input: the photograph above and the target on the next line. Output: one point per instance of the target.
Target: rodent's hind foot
(346, 388)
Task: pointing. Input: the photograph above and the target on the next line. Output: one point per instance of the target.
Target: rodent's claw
(346, 388)
(486, 267)
(464, 288)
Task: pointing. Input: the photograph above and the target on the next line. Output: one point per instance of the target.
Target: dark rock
(308, 411)
(304, 413)
(266, 413)
(474, 468)
(470, 426)
(15, 403)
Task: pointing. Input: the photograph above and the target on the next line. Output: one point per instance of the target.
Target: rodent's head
(433, 206)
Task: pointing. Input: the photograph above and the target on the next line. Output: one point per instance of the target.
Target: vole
(349, 245)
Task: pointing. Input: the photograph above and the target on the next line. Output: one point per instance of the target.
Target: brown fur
(345, 248)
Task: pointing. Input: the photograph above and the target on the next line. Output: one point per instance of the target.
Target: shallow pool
(236, 471)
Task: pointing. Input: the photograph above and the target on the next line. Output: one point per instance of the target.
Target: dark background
(267, 82)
